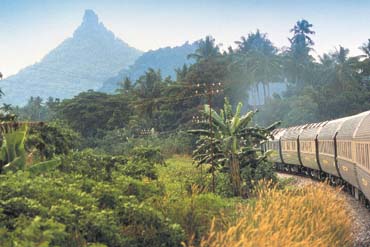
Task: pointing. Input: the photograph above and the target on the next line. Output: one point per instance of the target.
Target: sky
(29, 29)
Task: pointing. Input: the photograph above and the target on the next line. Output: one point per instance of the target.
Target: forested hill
(165, 59)
(79, 63)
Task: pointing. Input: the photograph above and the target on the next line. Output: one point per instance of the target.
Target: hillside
(79, 63)
(165, 59)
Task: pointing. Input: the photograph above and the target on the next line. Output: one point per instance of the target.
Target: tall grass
(314, 215)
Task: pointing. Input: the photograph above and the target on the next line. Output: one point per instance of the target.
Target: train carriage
(327, 148)
(361, 154)
(340, 148)
(274, 144)
(308, 145)
(289, 145)
(344, 148)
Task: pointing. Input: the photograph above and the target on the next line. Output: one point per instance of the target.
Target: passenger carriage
(308, 145)
(289, 147)
(339, 148)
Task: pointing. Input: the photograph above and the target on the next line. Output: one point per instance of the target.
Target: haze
(29, 29)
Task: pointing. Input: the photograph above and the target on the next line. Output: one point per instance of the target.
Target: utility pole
(145, 133)
(209, 90)
(199, 120)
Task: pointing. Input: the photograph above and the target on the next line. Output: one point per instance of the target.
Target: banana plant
(13, 155)
(232, 141)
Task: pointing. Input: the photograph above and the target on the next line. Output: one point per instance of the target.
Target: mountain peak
(84, 61)
(91, 27)
(90, 17)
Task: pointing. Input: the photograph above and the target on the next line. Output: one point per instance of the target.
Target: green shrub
(148, 154)
(96, 166)
(54, 138)
(122, 142)
(75, 209)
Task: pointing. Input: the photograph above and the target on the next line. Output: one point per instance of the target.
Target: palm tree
(365, 48)
(148, 89)
(233, 141)
(256, 42)
(258, 57)
(297, 56)
(125, 86)
(206, 49)
(7, 108)
(339, 70)
(301, 32)
(365, 64)
(345, 67)
(264, 68)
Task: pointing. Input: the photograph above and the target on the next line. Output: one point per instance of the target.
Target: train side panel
(344, 139)
(327, 146)
(289, 145)
(307, 141)
(275, 145)
(361, 154)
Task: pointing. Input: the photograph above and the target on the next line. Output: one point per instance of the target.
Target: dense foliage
(102, 171)
(232, 145)
(100, 200)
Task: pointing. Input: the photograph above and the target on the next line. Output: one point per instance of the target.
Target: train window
(289, 145)
(344, 149)
(307, 146)
(326, 146)
(363, 155)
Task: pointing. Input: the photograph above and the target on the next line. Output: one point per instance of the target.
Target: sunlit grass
(178, 172)
(314, 215)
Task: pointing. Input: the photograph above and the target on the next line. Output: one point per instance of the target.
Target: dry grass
(314, 215)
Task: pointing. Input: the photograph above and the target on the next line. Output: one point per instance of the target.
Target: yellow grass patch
(314, 215)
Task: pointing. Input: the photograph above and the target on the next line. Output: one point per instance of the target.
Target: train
(337, 150)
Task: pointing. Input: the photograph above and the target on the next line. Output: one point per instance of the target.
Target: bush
(251, 174)
(77, 207)
(122, 142)
(95, 166)
(55, 138)
(186, 200)
(149, 155)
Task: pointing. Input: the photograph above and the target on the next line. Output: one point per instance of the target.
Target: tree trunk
(264, 93)
(254, 98)
(235, 176)
(258, 94)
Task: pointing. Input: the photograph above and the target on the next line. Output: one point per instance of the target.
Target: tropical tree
(298, 56)
(340, 70)
(232, 143)
(181, 73)
(301, 31)
(7, 108)
(125, 86)
(256, 42)
(13, 154)
(207, 49)
(258, 60)
(148, 90)
(365, 63)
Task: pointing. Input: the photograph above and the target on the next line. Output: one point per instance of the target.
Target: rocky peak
(90, 18)
(91, 27)
(87, 59)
